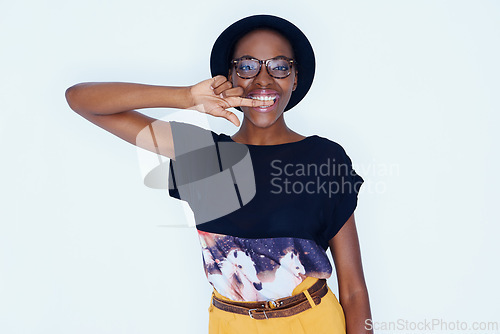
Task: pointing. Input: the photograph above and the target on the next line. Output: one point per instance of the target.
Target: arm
(353, 294)
(110, 106)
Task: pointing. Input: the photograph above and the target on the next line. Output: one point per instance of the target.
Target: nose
(263, 79)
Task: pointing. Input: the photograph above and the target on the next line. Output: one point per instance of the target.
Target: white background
(409, 88)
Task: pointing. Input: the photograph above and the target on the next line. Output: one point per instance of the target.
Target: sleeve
(344, 190)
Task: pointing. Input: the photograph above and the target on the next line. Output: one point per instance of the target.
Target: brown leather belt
(283, 307)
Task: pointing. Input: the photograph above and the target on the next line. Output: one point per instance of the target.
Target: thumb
(232, 118)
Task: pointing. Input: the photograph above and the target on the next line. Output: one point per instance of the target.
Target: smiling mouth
(271, 98)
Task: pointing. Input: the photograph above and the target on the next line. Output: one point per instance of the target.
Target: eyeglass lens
(278, 68)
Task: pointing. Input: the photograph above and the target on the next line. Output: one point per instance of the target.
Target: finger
(233, 119)
(217, 81)
(229, 116)
(236, 91)
(243, 102)
(222, 87)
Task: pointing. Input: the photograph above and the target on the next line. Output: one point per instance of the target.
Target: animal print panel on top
(244, 269)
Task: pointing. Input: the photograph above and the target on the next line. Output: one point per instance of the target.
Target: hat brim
(223, 48)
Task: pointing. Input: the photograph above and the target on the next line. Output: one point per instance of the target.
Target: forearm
(357, 310)
(104, 98)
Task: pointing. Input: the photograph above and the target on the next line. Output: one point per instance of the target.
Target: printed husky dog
(239, 279)
(286, 278)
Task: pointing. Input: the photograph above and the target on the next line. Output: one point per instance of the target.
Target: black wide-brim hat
(223, 50)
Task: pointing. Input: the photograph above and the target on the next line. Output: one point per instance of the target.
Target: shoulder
(327, 145)
(189, 137)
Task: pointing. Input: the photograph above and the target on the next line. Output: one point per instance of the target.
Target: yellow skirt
(327, 317)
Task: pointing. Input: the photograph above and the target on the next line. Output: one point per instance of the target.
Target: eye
(281, 68)
(240, 266)
(247, 65)
(280, 65)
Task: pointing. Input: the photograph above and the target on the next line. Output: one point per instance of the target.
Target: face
(264, 44)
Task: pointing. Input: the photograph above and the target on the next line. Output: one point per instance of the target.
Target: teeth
(263, 98)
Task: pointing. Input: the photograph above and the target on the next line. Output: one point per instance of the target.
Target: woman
(264, 237)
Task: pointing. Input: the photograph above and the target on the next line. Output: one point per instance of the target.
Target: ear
(295, 79)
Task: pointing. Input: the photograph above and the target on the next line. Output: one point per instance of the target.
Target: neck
(277, 133)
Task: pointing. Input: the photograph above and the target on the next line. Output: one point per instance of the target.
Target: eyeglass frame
(291, 62)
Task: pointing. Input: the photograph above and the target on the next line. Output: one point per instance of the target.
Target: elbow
(360, 294)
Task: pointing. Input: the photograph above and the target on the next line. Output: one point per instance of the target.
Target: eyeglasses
(277, 67)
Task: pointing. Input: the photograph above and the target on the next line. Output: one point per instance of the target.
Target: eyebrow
(258, 58)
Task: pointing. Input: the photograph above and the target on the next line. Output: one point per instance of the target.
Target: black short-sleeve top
(264, 213)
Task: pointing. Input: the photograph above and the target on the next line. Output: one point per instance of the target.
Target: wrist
(176, 97)
(188, 97)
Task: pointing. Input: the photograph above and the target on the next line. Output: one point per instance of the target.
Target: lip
(265, 92)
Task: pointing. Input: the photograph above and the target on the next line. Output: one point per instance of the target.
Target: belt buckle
(272, 303)
(256, 309)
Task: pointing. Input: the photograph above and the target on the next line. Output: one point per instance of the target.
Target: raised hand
(213, 96)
